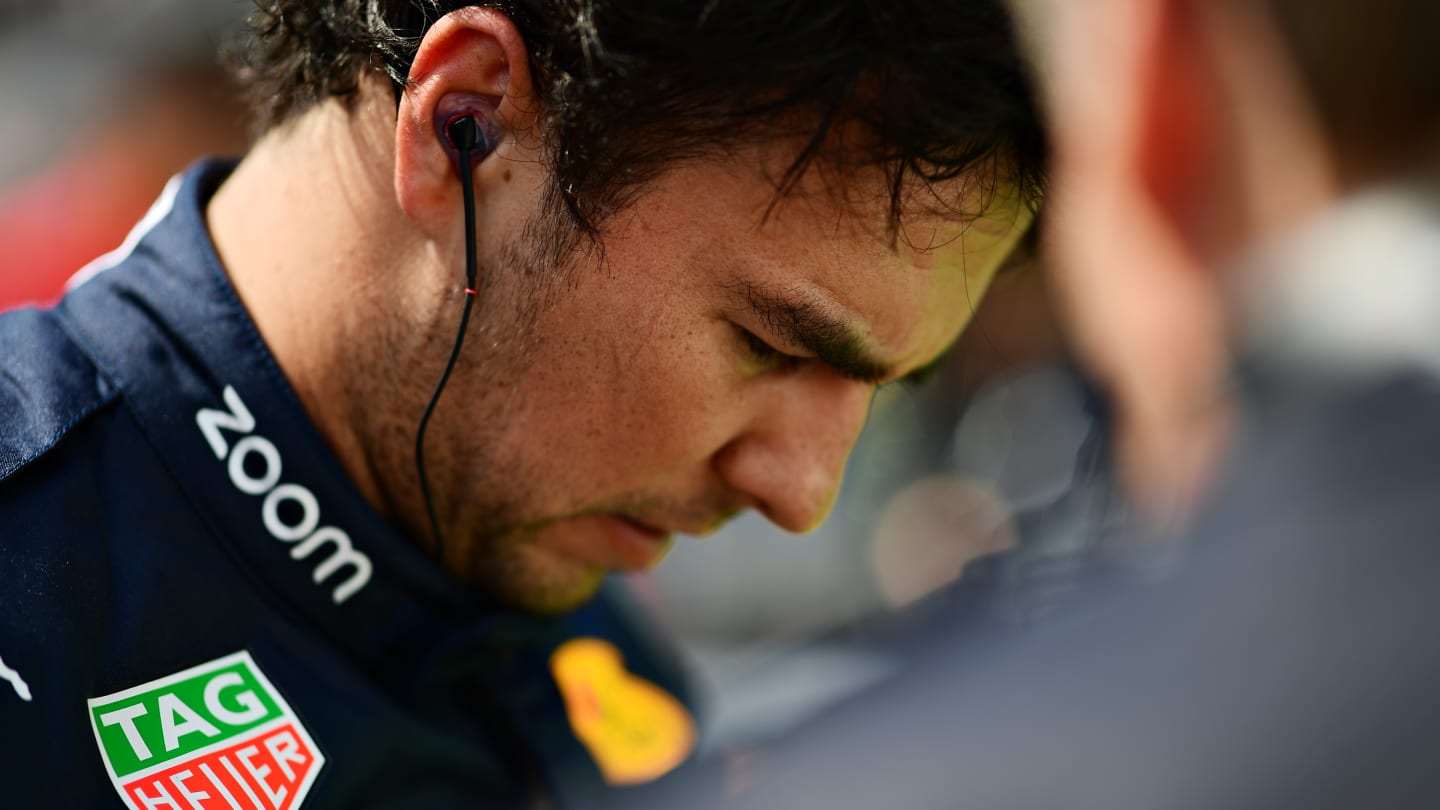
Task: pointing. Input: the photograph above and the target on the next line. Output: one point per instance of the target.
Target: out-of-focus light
(1023, 434)
(930, 529)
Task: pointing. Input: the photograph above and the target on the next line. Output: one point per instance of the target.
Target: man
(704, 233)
(1246, 233)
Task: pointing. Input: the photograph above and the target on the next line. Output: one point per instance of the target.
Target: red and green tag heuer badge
(217, 735)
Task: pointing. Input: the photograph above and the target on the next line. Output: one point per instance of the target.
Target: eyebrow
(832, 340)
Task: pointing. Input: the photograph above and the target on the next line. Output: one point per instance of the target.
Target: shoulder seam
(102, 400)
(85, 413)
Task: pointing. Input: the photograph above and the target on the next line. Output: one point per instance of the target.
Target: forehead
(827, 243)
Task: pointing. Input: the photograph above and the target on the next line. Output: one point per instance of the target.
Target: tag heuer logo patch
(217, 735)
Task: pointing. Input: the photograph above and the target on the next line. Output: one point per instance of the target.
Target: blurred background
(106, 99)
(103, 101)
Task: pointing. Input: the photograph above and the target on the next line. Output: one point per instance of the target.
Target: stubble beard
(490, 537)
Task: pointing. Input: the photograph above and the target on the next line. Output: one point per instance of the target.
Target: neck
(308, 229)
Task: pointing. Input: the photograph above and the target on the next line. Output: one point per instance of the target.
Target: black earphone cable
(467, 188)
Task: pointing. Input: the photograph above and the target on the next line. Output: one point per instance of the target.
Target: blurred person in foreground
(705, 233)
(1246, 239)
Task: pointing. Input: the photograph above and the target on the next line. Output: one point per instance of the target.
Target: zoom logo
(255, 468)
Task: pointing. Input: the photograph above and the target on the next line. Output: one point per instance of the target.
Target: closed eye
(920, 376)
(765, 355)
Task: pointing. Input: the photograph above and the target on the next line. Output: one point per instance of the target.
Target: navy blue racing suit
(199, 609)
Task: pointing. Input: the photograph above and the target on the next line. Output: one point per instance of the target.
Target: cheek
(631, 382)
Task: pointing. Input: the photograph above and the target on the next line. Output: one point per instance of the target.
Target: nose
(789, 459)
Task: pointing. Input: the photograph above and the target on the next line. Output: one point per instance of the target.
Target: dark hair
(629, 87)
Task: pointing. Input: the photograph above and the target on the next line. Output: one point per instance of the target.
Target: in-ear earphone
(463, 132)
(465, 136)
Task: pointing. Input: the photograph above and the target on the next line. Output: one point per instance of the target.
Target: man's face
(713, 360)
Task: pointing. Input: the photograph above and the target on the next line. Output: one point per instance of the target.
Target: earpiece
(463, 133)
(467, 132)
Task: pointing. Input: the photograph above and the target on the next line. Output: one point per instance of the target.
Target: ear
(471, 61)
(1179, 138)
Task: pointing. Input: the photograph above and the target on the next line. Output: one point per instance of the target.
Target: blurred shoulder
(48, 386)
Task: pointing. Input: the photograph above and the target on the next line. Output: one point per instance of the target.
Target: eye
(762, 353)
(919, 378)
